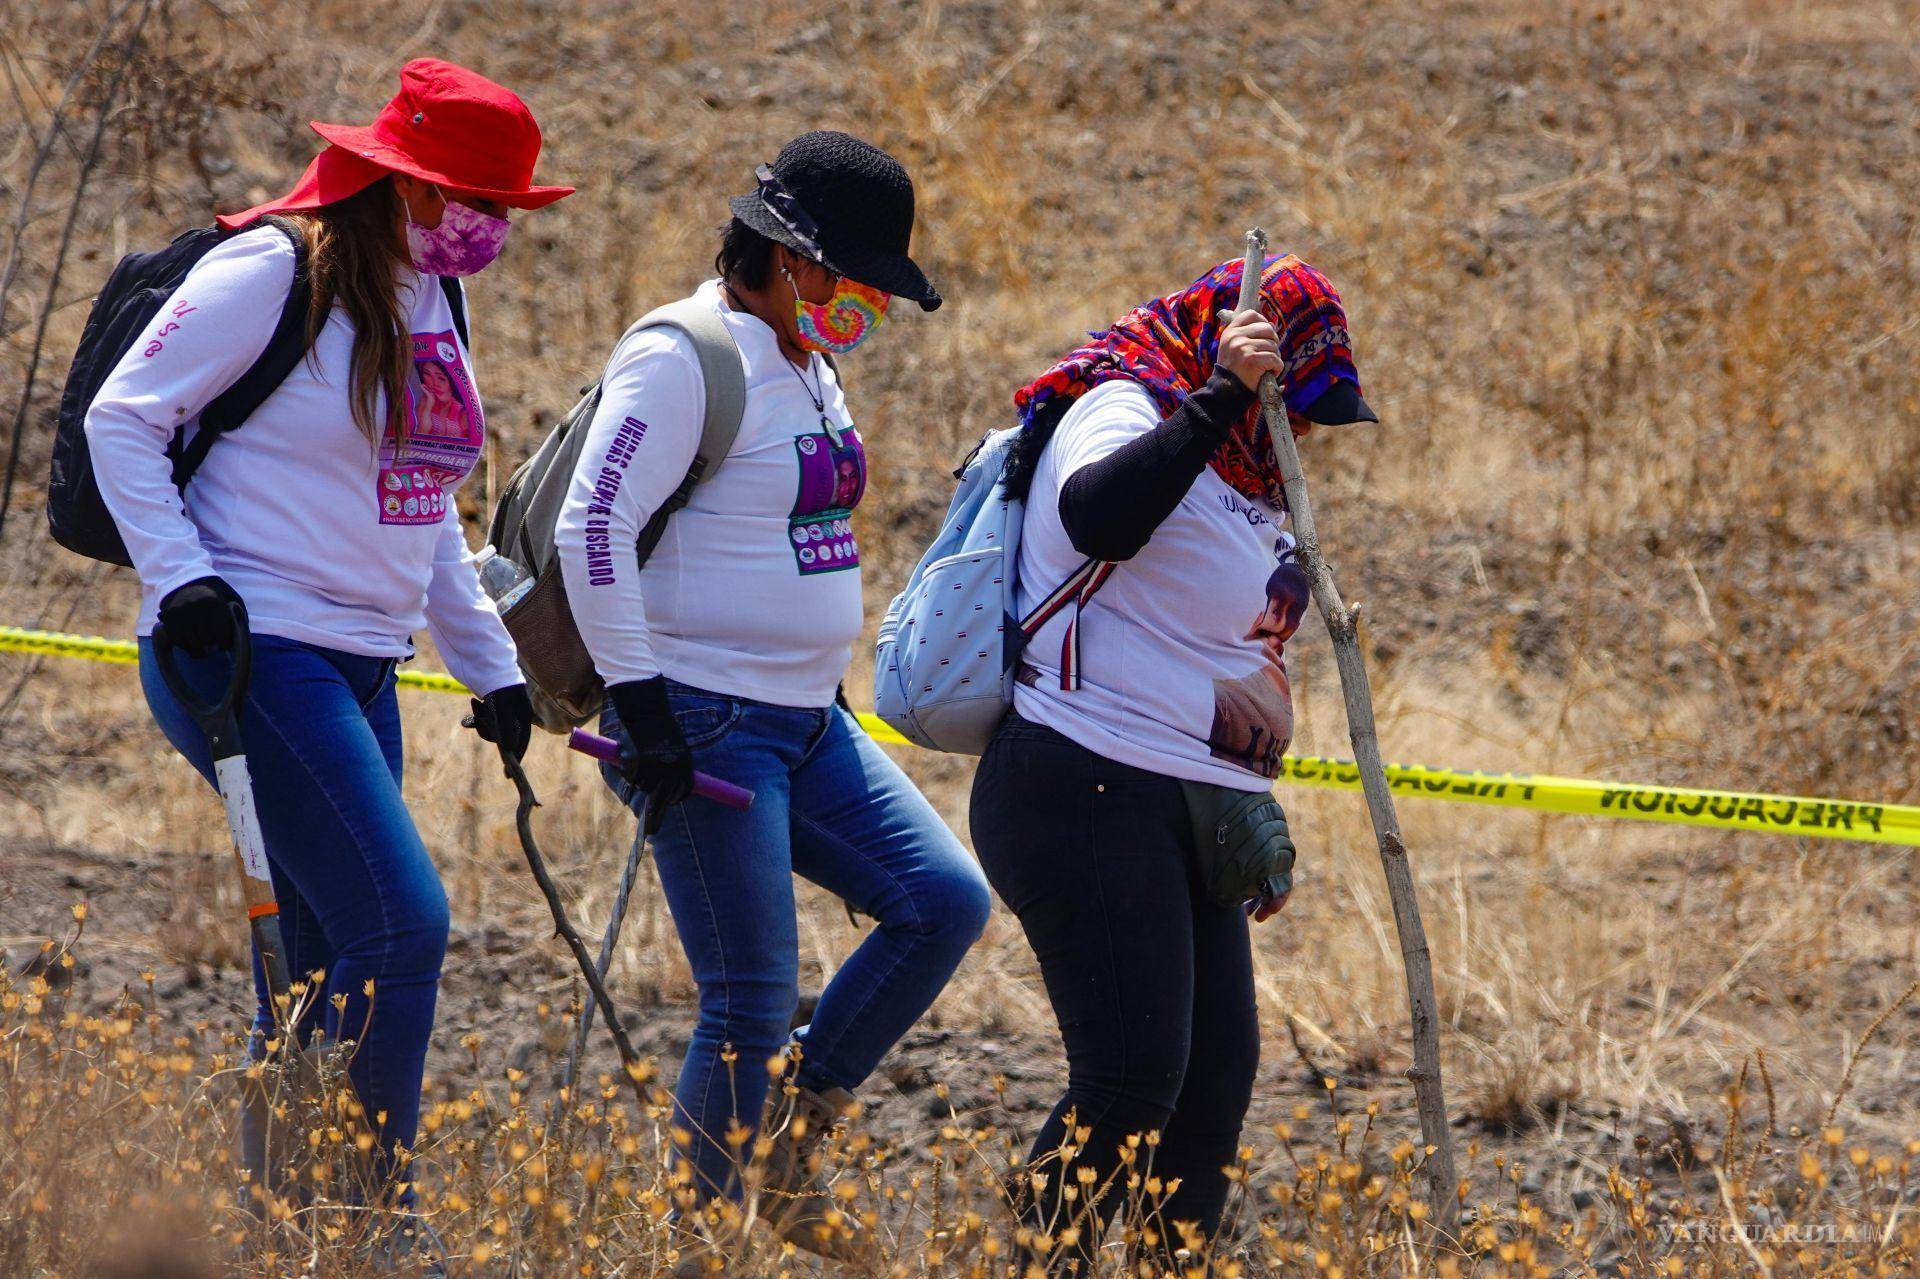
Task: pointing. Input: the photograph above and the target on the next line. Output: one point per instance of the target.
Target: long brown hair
(355, 249)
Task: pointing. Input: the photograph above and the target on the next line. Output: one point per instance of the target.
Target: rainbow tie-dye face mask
(842, 322)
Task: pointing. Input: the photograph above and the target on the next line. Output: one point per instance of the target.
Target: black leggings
(1151, 982)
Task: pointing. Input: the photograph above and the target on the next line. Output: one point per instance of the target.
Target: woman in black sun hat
(725, 652)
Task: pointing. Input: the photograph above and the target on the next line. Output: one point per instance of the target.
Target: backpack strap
(457, 303)
(286, 347)
(1070, 642)
(1081, 586)
(724, 375)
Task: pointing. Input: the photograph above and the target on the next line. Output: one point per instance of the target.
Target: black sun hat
(844, 203)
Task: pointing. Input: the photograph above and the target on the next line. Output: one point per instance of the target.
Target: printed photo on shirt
(441, 413)
(442, 430)
(833, 478)
(1253, 713)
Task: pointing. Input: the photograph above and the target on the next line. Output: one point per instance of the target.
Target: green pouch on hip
(1241, 842)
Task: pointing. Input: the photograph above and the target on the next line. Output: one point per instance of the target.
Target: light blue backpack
(950, 643)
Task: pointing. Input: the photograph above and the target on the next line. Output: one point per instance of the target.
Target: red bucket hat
(447, 125)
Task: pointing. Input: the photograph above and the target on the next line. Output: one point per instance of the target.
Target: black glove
(505, 718)
(658, 762)
(200, 616)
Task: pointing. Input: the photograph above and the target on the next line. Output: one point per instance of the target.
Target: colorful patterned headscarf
(1169, 346)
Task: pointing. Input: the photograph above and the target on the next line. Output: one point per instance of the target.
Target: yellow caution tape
(94, 648)
(1678, 805)
(433, 682)
(54, 644)
(879, 730)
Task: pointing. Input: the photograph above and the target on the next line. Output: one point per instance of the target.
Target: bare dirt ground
(516, 999)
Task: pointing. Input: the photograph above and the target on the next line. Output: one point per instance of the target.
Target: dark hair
(1023, 455)
(453, 383)
(354, 247)
(745, 257)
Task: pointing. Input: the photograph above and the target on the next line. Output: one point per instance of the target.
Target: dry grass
(1632, 284)
(526, 1184)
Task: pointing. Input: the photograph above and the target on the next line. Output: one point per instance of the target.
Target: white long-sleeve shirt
(1181, 656)
(328, 540)
(754, 589)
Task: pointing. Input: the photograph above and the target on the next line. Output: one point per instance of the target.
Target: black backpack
(142, 282)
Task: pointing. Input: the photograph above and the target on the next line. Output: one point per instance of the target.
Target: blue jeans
(360, 900)
(833, 808)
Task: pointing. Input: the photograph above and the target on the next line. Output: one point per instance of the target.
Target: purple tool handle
(704, 785)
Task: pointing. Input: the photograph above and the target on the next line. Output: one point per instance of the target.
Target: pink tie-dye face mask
(465, 242)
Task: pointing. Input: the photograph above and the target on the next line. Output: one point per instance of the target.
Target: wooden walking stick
(563, 928)
(1429, 1095)
(584, 1025)
(608, 751)
(600, 748)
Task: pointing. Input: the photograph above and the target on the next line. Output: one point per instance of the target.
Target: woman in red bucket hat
(325, 525)
(448, 127)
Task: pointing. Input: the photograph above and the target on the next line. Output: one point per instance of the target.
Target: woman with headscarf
(1144, 449)
(324, 532)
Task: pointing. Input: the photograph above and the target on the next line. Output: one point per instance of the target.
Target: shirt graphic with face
(442, 435)
(1253, 714)
(833, 478)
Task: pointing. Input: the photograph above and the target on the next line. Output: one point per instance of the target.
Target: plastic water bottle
(505, 582)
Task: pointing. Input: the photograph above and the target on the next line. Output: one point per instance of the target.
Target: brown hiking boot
(794, 1200)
